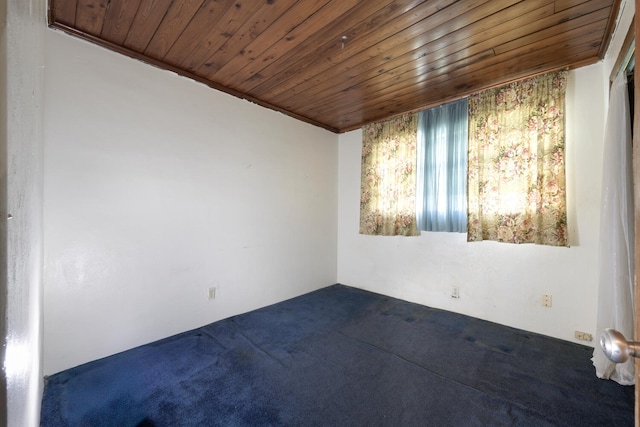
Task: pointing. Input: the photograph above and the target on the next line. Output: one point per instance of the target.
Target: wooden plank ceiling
(341, 64)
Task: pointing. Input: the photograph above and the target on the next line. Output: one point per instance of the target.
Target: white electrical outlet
(212, 293)
(455, 292)
(546, 300)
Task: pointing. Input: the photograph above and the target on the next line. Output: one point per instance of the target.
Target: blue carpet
(342, 357)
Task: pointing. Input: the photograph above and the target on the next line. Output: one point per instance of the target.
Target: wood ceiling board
(412, 83)
(467, 84)
(321, 85)
(216, 36)
(398, 56)
(383, 66)
(553, 36)
(251, 29)
(63, 12)
(118, 20)
(210, 16)
(458, 77)
(258, 69)
(436, 57)
(486, 63)
(90, 16)
(566, 4)
(276, 31)
(178, 16)
(363, 39)
(145, 24)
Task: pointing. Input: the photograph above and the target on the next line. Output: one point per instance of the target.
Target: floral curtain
(388, 177)
(516, 179)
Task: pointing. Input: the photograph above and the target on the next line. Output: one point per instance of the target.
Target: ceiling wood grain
(340, 64)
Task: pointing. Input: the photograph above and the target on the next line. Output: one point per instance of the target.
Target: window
(491, 165)
(441, 190)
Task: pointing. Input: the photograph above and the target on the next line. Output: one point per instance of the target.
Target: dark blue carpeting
(342, 357)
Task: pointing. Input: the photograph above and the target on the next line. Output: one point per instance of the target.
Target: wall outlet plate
(583, 336)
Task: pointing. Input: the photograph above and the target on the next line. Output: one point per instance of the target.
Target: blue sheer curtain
(441, 190)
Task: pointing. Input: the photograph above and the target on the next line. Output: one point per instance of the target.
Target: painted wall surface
(500, 282)
(24, 43)
(157, 188)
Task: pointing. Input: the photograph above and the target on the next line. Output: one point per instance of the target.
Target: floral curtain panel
(388, 177)
(516, 179)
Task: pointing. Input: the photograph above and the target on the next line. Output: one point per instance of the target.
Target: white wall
(157, 188)
(499, 282)
(23, 44)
